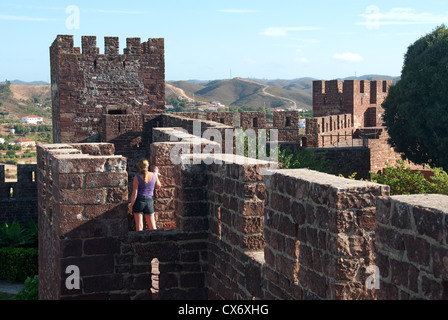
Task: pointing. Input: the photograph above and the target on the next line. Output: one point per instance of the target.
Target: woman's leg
(138, 222)
(151, 221)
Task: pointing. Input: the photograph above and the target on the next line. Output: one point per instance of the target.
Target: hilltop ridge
(238, 92)
(26, 97)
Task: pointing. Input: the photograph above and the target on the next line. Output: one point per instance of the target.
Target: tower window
(255, 122)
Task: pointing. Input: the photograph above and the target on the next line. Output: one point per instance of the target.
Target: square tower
(86, 85)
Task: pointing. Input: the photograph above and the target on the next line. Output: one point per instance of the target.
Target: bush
(31, 290)
(14, 235)
(17, 264)
(403, 180)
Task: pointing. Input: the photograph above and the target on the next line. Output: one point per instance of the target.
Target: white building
(26, 143)
(32, 120)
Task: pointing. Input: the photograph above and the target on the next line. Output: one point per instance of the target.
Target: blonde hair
(143, 166)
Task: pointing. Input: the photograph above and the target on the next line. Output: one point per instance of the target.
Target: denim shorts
(143, 205)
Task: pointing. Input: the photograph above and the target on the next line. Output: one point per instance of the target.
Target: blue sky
(216, 39)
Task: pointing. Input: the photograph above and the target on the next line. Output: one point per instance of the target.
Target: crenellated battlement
(25, 174)
(134, 46)
(25, 185)
(327, 87)
(18, 200)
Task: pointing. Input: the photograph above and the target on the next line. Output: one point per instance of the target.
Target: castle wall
(236, 200)
(82, 213)
(327, 131)
(287, 122)
(320, 235)
(166, 155)
(18, 200)
(253, 120)
(346, 161)
(237, 233)
(412, 241)
(221, 117)
(191, 115)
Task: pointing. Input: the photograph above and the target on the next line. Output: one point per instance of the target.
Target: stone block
(83, 196)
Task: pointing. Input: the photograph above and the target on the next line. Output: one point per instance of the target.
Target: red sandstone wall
(320, 235)
(356, 97)
(287, 122)
(328, 131)
(253, 120)
(18, 200)
(412, 241)
(221, 117)
(236, 194)
(82, 212)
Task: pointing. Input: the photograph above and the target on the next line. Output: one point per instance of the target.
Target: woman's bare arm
(158, 185)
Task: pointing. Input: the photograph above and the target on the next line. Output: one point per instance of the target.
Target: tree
(416, 109)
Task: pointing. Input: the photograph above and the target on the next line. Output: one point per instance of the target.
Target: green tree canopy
(416, 109)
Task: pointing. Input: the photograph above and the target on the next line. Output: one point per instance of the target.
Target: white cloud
(374, 18)
(114, 11)
(283, 31)
(348, 56)
(24, 18)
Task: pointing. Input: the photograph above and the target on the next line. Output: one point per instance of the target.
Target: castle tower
(360, 98)
(87, 85)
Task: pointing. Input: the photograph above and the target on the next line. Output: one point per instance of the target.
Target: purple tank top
(146, 189)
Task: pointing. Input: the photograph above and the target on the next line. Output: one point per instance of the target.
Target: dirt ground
(22, 92)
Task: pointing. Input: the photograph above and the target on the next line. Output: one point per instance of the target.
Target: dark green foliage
(18, 251)
(14, 235)
(30, 292)
(416, 109)
(304, 158)
(16, 264)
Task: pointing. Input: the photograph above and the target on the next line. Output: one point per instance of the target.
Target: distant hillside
(17, 101)
(32, 83)
(244, 92)
(256, 92)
